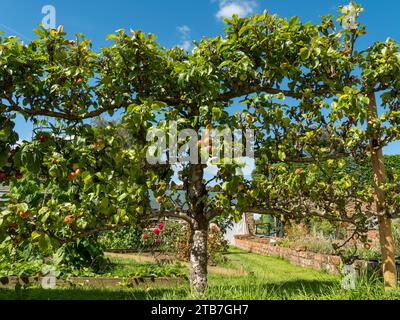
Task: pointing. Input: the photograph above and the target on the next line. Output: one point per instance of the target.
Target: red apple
(72, 176)
(23, 215)
(18, 175)
(43, 138)
(3, 176)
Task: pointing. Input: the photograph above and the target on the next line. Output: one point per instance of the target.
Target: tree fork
(385, 222)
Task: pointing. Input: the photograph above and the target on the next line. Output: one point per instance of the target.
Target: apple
(70, 219)
(72, 176)
(99, 145)
(299, 171)
(78, 172)
(3, 176)
(249, 119)
(43, 138)
(160, 199)
(18, 175)
(23, 215)
(217, 188)
(367, 246)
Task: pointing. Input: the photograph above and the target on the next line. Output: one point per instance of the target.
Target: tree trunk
(198, 263)
(198, 255)
(385, 223)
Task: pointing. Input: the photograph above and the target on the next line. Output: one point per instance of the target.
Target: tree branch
(156, 214)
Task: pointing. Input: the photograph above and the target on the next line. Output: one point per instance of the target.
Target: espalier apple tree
(306, 147)
(329, 110)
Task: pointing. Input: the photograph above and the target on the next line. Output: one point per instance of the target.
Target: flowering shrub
(160, 237)
(152, 235)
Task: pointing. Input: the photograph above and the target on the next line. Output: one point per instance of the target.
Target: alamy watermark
(349, 280)
(188, 146)
(49, 20)
(49, 281)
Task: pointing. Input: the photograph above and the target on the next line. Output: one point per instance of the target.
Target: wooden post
(385, 222)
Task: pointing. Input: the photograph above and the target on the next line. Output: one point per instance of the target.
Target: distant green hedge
(392, 165)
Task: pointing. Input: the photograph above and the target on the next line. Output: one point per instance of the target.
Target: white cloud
(186, 45)
(227, 8)
(185, 33)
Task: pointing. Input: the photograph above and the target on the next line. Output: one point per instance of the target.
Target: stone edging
(306, 259)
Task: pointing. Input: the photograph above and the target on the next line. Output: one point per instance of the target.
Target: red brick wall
(301, 258)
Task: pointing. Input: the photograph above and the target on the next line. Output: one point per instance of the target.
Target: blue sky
(178, 22)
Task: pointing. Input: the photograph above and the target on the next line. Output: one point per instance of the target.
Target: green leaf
(305, 53)
(35, 235)
(111, 36)
(294, 21)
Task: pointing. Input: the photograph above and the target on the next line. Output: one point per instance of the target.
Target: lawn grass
(267, 279)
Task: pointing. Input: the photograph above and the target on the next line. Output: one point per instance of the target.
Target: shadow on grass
(284, 290)
(92, 294)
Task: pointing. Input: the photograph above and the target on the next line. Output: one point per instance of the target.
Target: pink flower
(156, 231)
(145, 237)
(157, 242)
(161, 226)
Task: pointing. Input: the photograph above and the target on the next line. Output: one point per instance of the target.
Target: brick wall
(302, 258)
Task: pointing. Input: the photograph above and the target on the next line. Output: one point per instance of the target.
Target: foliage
(127, 238)
(305, 88)
(8, 139)
(72, 189)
